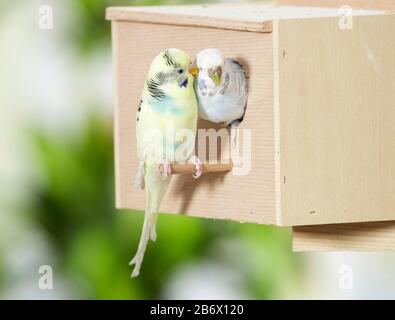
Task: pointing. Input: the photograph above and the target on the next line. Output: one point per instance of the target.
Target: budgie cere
(221, 89)
(168, 104)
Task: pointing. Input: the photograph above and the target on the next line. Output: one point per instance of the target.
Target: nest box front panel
(249, 197)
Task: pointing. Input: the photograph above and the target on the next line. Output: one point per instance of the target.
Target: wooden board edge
(115, 66)
(120, 14)
(371, 236)
(251, 219)
(365, 4)
(276, 93)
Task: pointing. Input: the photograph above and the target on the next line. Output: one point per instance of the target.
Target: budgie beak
(216, 78)
(193, 69)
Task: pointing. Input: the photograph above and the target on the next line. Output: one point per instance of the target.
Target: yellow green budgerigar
(165, 131)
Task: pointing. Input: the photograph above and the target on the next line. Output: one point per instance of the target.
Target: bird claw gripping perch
(198, 166)
(164, 169)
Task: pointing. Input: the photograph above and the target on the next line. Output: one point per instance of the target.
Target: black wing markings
(139, 109)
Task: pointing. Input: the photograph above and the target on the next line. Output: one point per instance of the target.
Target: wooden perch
(190, 168)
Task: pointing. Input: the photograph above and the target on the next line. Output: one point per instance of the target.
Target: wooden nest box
(321, 113)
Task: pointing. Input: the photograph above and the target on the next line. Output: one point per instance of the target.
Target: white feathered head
(210, 63)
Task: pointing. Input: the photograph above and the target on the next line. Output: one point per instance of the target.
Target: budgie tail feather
(155, 189)
(233, 132)
(139, 177)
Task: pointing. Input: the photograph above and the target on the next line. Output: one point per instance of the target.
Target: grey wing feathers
(240, 82)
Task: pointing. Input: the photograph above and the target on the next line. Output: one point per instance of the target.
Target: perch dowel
(207, 168)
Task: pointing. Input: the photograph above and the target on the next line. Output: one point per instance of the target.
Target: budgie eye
(180, 71)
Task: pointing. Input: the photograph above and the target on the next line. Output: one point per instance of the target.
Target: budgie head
(210, 63)
(169, 73)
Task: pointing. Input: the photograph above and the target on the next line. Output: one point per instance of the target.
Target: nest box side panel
(246, 198)
(336, 115)
(345, 237)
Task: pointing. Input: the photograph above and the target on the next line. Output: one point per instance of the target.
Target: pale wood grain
(336, 115)
(208, 16)
(245, 17)
(345, 237)
(368, 4)
(248, 198)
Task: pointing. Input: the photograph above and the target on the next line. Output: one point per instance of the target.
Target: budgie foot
(164, 168)
(198, 166)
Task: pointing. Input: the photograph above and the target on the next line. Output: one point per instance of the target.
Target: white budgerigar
(221, 89)
(168, 109)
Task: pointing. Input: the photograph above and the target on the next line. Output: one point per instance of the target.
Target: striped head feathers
(168, 73)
